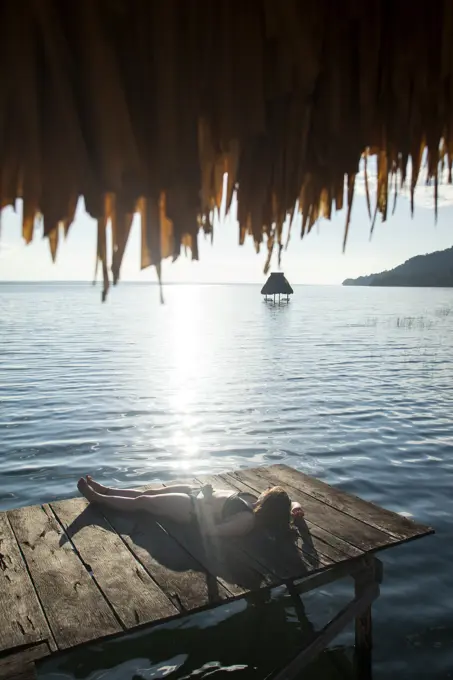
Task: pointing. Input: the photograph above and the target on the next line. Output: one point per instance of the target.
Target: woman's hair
(273, 512)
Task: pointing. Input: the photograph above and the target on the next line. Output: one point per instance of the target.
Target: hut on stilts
(277, 284)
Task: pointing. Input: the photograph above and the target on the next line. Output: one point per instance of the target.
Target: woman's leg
(175, 506)
(110, 491)
(133, 493)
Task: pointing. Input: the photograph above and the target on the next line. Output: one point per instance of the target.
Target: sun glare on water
(187, 353)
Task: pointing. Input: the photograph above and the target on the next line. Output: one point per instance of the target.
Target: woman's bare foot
(86, 490)
(100, 488)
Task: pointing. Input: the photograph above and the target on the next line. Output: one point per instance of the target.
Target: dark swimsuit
(234, 505)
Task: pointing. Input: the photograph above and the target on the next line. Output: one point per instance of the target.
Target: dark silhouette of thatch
(143, 105)
(277, 284)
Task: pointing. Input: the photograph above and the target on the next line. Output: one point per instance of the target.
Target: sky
(316, 259)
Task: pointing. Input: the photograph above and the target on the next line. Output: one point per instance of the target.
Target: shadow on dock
(249, 563)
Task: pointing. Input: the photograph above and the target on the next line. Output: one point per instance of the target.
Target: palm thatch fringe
(143, 105)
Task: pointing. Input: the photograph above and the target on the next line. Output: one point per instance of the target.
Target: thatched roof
(277, 284)
(143, 105)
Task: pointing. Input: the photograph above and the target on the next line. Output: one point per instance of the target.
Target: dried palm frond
(145, 105)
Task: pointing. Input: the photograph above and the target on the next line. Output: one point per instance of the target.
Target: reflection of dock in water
(72, 573)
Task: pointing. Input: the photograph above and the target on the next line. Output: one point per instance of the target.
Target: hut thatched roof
(143, 105)
(277, 284)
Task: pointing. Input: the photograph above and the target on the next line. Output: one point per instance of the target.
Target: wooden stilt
(300, 609)
(328, 633)
(367, 575)
(363, 645)
(363, 661)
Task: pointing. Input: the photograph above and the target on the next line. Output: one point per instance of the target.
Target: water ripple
(351, 385)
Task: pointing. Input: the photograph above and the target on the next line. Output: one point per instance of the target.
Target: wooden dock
(71, 573)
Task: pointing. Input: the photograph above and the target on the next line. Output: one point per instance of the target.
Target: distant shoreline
(434, 270)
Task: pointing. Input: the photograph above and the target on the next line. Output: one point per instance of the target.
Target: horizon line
(9, 282)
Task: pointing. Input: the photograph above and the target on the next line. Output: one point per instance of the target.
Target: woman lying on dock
(218, 512)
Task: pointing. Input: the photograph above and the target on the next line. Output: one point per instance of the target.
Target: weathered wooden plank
(390, 522)
(22, 618)
(27, 654)
(355, 532)
(334, 547)
(178, 574)
(221, 582)
(324, 546)
(20, 665)
(75, 607)
(19, 672)
(322, 578)
(130, 590)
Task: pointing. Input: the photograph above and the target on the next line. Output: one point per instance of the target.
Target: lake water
(353, 385)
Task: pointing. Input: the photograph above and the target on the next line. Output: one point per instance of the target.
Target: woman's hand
(297, 511)
(207, 491)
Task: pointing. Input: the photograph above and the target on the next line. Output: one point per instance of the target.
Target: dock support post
(363, 661)
(367, 575)
(363, 638)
